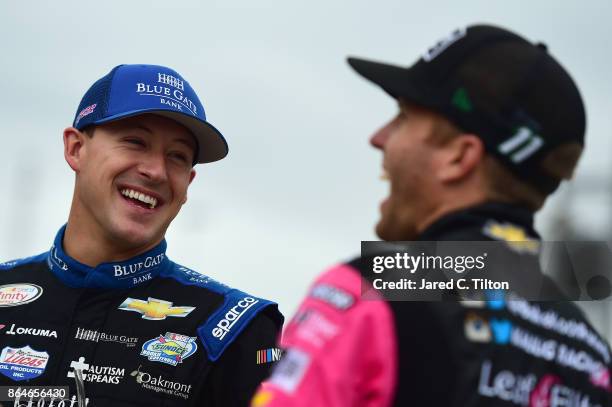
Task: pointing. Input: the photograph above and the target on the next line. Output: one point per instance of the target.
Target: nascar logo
(269, 355)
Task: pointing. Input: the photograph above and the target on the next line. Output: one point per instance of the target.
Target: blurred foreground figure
(488, 126)
(105, 311)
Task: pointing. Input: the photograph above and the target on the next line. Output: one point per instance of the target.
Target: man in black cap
(488, 126)
(105, 312)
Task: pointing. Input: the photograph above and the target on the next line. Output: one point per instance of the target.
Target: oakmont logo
(232, 316)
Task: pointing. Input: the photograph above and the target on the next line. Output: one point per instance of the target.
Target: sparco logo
(151, 261)
(232, 316)
(31, 331)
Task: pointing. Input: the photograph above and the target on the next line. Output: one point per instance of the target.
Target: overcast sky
(300, 188)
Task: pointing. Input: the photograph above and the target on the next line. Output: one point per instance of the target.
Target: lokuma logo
(49, 333)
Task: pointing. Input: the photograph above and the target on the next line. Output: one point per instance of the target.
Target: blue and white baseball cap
(131, 90)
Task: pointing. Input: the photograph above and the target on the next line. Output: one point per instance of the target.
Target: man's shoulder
(23, 262)
(186, 276)
(238, 310)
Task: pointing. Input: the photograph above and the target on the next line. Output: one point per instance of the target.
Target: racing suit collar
(476, 215)
(123, 274)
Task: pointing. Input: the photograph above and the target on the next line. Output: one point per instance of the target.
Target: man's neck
(91, 248)
(449, 205)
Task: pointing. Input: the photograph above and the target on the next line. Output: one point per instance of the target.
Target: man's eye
(179, 156)
(135, 141)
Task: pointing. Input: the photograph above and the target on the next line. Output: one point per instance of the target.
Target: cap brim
(211, 143)
(399, 82)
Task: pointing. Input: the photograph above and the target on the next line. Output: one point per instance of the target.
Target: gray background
(300, 188)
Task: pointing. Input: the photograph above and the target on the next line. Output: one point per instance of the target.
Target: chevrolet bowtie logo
(515, 236)
(154, 309)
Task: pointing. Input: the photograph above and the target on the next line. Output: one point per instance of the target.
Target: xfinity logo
(232, 316)
(151, 261)
(31, 331)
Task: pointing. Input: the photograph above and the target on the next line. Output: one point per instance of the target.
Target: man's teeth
(130, 193)
(384, 176)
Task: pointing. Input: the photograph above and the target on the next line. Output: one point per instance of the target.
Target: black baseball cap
(496, 84)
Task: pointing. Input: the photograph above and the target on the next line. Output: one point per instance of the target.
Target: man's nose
(153, 167)
(379, 139)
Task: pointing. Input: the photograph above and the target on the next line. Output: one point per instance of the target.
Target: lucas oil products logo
(95, 373)
(170, 348)
(22, 363)
(232, 316)
(12, 295)
(154, 309)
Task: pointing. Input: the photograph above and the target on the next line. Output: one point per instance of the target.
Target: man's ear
(460, 157)
(192, 175)
(74, 141)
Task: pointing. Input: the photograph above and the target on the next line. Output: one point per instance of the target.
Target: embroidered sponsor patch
(20, 330)
(85, 112)
(262, 398)
(334, 296)
(232, 316)
(290, 370)
(97, 336)
(154, 309)
(12, 295)
(22, 363)
(269, 355)
(96, 373)
(313, 327)
(160, 384)
(170, 348)
(515, 236)
(476, 328)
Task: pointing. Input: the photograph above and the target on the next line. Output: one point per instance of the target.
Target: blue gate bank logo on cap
(22, 363)
(131, 90)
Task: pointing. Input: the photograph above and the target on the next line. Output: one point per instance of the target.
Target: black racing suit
(345, 348)
(540, 354)
(142, 332)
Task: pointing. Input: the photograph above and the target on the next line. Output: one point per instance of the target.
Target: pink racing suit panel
(340, 349)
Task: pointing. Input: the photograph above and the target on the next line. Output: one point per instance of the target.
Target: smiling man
(488, 125)
(104, 311)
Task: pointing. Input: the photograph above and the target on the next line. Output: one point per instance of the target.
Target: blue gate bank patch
(170, 348)
(22, 363)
